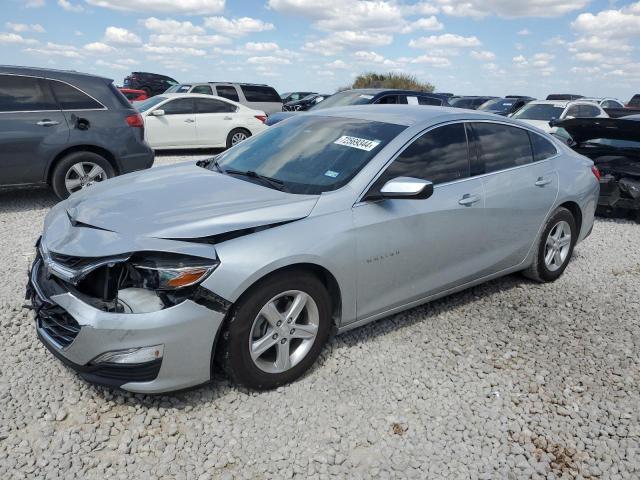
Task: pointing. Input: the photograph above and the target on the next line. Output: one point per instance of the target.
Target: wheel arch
(576, 211)
(80, 148)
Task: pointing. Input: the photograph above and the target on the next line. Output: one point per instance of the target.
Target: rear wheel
(276, 331)
(554, 248)
(79, 170)
(236, 136)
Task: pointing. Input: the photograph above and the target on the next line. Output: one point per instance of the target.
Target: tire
(69, 168)
(556, 226)
(234, 136)
(247, 326)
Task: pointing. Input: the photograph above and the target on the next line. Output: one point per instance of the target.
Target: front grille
(58, 325)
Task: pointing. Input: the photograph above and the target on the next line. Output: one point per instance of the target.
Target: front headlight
(165, 271)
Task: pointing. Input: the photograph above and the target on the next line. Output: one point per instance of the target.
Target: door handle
(467, 199)
(189, 120)
(47, 123)
(541, 182)
(228, 118)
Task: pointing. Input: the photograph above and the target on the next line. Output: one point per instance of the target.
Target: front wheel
(276, 331)
(554, 248)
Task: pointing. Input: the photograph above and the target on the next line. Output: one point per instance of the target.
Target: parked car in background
(634, 102)
(258, 97)
(293, 96)
(175, 120)
(304, 103)
(541, 112)
(66, 129)
(364, 96)
(134, 95)
(332, 219)
(151, 83)
(614, 107)
(504, 106)
(614, 147)
(470, 102)
(563, 96)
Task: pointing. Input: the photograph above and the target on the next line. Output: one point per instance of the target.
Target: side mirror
(157, 113)
(553, 122)
(408, 188)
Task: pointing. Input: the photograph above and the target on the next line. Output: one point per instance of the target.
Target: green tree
(390, 80)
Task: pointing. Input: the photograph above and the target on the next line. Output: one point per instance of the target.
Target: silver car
(327, 221)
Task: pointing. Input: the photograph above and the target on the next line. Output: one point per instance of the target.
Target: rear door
(32, 129)
(214, 120)
(176, 128)
(519, 189)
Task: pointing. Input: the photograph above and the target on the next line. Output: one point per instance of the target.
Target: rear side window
(204, 105)
(542, 148)
(439, 156)
(429, 101)
(123, 98)
(257, 93)
(205, 89)
(500, 147)
(588, 111)
(180, 88)
(70, 98)
(180, 106)
(24, 94)
(573, 112)
(228, 91)
(389, 100)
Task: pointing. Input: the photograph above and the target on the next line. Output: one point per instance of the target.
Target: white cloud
(186, 40)
(337, 64)
(338, 41)
(70, 7)
(431, 60)
(589, 57)
(23, 27)
(184, 7)
(524, 32)
(34, 3)
(508, 8)
(425, 23)
(269, 60)
(237, 27)
(445, 40)
(120, 36)
(168, 50)
(483, 55)
(99, 47)
(14, 38)
(610, 23)
(169, 25)
(123, 64)
(55, 49)
(261, 46)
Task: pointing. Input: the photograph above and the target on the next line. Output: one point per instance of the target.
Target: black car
(504, 106)
(294, 96)
(614, 146)
(152, 83)
(468, 101)
(66, 129)
(304, 103)
(564, 96)
(364, 96)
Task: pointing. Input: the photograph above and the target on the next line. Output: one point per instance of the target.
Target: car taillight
(135, 120)
(262, 118)
(595, 172)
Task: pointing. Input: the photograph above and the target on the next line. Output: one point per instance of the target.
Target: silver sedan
(323, 223)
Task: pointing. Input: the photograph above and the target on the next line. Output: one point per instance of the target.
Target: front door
(176, 128)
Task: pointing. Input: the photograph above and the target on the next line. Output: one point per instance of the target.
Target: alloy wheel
(557, 246)
(238, 137)
(82, 175)
(284, 331)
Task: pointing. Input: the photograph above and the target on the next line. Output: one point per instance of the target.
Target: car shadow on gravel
(26, 199)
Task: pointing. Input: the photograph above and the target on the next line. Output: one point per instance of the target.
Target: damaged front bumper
(169, 349)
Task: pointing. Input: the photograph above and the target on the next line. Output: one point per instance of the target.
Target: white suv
(255, 96)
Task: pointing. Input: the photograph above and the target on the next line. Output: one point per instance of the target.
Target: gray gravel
(510, 379)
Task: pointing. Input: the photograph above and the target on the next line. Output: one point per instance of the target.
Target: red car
(134, 95)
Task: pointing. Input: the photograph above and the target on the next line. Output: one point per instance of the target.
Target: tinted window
(179, 89)
(256, 93)
(539, 111)
(179, 106)
(341, 99)
(587, 111)
(311, 153)
(204, 105)
(501, 146)
(149, 103)
(388, 100)
(228, 91)
(70, 98)
(20, 94)
(542, 148)
(439, 156)
(573, 111)
(429, 101)
(205, 89)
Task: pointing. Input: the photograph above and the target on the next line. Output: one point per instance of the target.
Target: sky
(469, 47)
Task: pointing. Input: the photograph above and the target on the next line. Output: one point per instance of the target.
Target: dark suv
(151, 83)
(66, 129)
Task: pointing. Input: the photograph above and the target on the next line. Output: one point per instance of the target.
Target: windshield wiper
(210, 161)
(272, 182)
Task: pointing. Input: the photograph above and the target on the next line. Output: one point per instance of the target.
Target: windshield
(497, 105)
(539, 111)
(310, 154)
(462, 102)
(150, 103)
(343, 99)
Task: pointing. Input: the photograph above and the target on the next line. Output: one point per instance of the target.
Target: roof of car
(407, 115)
(48, 72)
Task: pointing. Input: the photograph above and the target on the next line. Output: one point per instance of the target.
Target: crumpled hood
(585, 129)
(181, 202)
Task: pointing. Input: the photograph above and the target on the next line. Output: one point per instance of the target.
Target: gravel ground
(510, 379)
